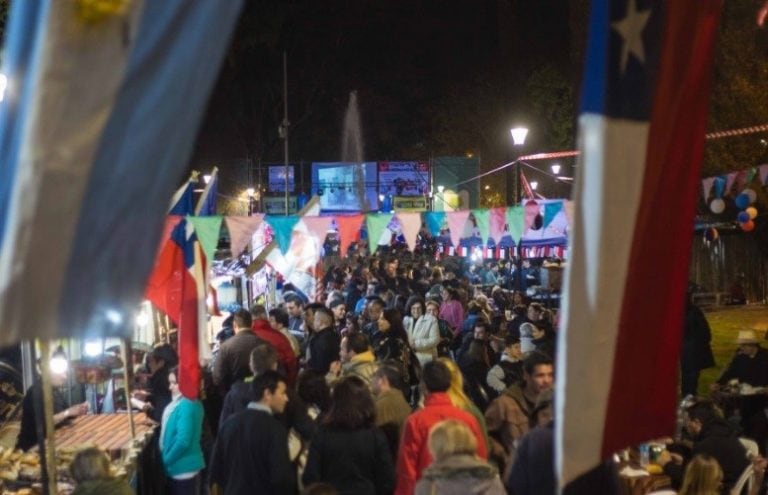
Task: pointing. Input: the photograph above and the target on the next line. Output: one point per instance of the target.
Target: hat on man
(746, 337)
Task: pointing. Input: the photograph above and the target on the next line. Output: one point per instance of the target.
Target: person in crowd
(91, 473)
(475, 358)
(357, 359)
(355, 289)
(703, 476)
(527, 330)
(515, 318)
(544, 340)
(279, 321)
(180, 432)
(323, 344)
(263, 358)
(422, 329)
(696, 351)
(294, 306)
(460, 399)
(451, 309)
(509, 415)
(457, 470)
(314, 391)
(339, 310)
(392, 409)
(446, 333)
(749, 366)
(533, 471)
(390, 340)
(155, 395)
(711, 436)
(232, 363)
(374, 310)
(474, 313)
(509, 369)
(414, 456)
(263, 329)
(61, 412)
(492, 275)
(251, 451)
(320, 489)
(348, 451)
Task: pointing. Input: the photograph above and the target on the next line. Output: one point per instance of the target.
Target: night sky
(446, 77)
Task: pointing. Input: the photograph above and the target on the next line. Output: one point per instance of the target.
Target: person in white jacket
(422, 329)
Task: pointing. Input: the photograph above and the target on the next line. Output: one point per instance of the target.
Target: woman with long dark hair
(391, 339)
(348, 451)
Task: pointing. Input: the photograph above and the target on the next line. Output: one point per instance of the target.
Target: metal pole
(285, 124)
(127, 355)
(49, 466)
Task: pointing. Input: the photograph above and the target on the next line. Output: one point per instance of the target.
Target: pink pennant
(730, 179)
(741, 179)
(317, 227)
(171, 221)
(410, 222)
(568, 206)
(349, 230)
(763, 173)
(241, 230)
(498, 221)
(456, 222)
(706, 185)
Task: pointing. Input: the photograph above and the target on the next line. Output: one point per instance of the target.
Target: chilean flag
(642, 126)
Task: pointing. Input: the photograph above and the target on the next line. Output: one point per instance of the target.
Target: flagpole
(127, 354)
(285, 124)
(49, 464)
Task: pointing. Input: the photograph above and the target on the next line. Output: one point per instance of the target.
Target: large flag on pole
(95, 131)
(644, 108)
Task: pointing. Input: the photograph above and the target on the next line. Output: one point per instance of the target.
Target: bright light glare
(534, 185)
(207, 178)
(250, 192)
(142, 319)
(555, 168)
(93, 348)
(440, 189)
(59, 365)
(3, 85)
(518, 135)
(381, 197)
(114, 317)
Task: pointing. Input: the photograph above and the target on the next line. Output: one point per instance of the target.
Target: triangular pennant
(434, 221)
(241, 230)
(750, 174)
(456, 222)
(207, 230)
(706, 186)
(763, 170)
(720, 186)
(741, 179)
(283, 229)
(482, 220)
(498, 221)
(410, 222)
(516, 222)
(550, 211)
(729, 180)
(376, 223)
(568, 207)
(317, 228)
(349, 230)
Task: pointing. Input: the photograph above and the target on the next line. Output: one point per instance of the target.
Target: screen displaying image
(345, 186)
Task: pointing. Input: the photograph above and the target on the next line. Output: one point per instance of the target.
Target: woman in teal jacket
(180, 440)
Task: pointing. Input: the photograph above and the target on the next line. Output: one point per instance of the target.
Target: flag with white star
(641, 136)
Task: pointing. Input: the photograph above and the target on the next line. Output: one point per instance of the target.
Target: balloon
(752, 212)
(748, 226)
(751, 193)
(711, 234)
(742, 201)
(717, 206)
(743, 217)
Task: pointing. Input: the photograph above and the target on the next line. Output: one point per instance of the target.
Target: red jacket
(282, 345)
(413, 456)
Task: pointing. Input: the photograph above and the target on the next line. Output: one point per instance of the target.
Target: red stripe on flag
(644, 383)
(189, 354)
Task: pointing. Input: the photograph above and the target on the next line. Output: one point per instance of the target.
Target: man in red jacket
(280, 342)
(413, 456)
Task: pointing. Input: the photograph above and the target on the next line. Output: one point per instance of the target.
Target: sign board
(275, 205)
(277, 178)
(410, 203)
(403, 178)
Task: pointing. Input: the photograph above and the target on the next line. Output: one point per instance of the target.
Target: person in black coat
(251, 451)
(348, 451)
(324, 343)
(696, 352)
(713, 437)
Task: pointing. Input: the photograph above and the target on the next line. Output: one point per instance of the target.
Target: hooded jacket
(460, 474)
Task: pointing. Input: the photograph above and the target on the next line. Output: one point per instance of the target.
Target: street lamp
(555, 168)
(250, 192)
(518, 135)
(440, 189)
(518, 139)
(534, 185)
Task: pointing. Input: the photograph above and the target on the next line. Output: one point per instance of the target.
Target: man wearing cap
(750, 366)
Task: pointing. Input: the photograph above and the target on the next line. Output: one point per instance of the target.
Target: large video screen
(404, 178)
(345, 186)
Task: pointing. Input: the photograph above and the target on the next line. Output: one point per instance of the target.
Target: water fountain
(352, 150)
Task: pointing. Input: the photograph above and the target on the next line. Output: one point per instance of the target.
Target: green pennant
(483, 222)
(283, 230)
(750, 175)
(207, 230)
(376, 223)
(550, 211)
(516, 222)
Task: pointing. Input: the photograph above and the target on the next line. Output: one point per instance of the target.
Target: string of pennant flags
(723, 185)
(493, 223)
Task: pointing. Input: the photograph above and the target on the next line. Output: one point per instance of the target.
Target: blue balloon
(743, 217)
(742, 201)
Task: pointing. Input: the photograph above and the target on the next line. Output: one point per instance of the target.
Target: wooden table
(109, 432)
